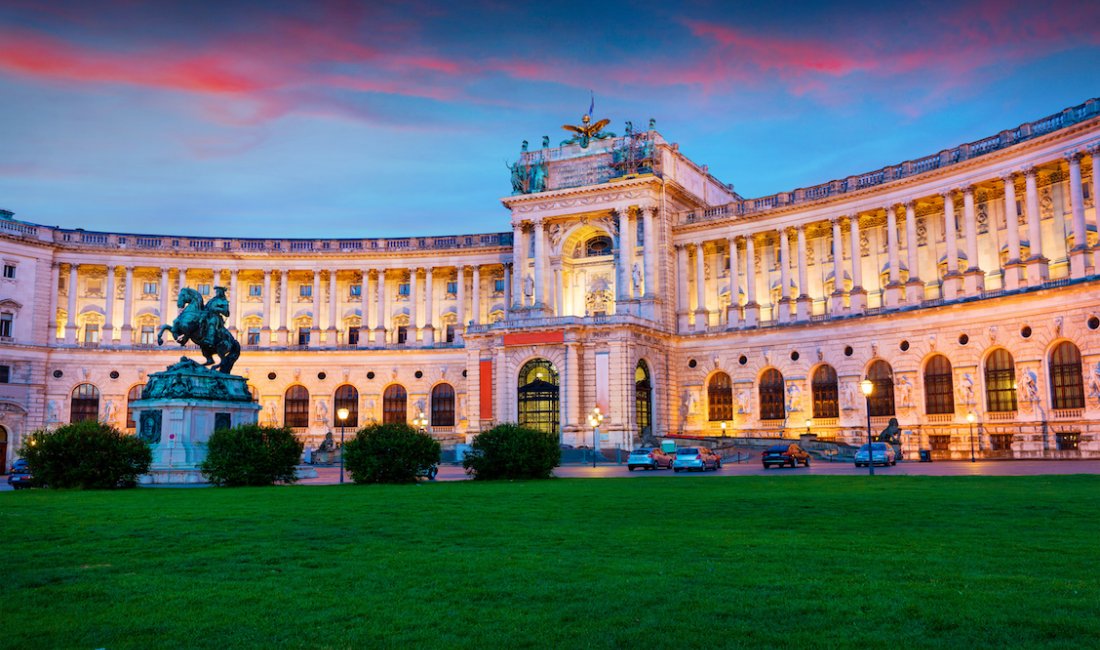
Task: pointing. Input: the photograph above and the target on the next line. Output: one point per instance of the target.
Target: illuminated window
(882, 397)
(824, 388)
(296, 407)
(346, 397)
(84, 404)
(772, 406)
(1000, 382)
(395, 405)
(1066, 383)
(719, 397)
(443, 405)
(939, 387)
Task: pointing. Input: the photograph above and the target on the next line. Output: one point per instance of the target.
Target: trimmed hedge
(87, 454)
(509, 451)
(389, 453)
(251, 454)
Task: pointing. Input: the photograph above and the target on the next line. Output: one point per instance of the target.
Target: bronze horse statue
(205, 325)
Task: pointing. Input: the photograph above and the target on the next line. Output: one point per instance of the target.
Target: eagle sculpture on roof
(587, 132)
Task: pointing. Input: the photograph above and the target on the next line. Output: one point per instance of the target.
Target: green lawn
(766, 561)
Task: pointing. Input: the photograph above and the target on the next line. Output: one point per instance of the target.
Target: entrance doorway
(539, 404)
(643, 400)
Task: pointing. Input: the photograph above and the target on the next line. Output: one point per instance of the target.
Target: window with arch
(1067, 390)
(395, 405)
(346, 397)
(538, 396)
(1000, 381)
(131, 397)
(882, 397)
(84, 404)
(598, 245)
(939, 388)
(643, 398)
(443, 405)
(720, 397)
(296, 407)
(772, 406)
(825, 393)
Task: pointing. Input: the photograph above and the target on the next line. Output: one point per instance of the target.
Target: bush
(389, 453)
(251, 454)
(88, 454)
(511, 451)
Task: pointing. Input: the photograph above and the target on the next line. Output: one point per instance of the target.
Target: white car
(881, 453)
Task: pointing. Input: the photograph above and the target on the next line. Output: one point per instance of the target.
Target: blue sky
(374, 119)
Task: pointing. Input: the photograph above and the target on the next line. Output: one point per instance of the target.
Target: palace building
(965, 284)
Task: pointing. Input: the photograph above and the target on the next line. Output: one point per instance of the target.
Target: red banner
(534, 338)
(486, 383)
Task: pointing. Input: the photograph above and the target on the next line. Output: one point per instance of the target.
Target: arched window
(772, 406)
(643, 399)
(1066, 384)
(825, 393)
(296, 407)
(720, 397)
(598, 246)
(538, 396)
(346, 397)
(131, 397)
(84, 404)
(882, 397)
(395, 409)
(443, 405)
(939, 388)
(1000, 381)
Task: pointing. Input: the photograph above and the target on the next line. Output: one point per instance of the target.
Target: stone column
(559, 294)
(475, 305)
(1037, 264)
(162, 290)
(414, 300)
(216, 279)
(269, 309)
(784, 308)
(108, 334)
(509, 288)
(315, 308)
(573, 379)
(55, 280)
(380, 306)
(857, 297)
(649, 252)
(683, 306)
(70, 321)
(733, 312)
(519, 266)
(1014, 268)
(429, 293)
(622, 271)
(234, 304)
(284, 308)
(126, 335)
(1079, 253)
(892, 293)
(752, 308)
(182, 272)
(804, 304)
(914, 288)
(333, 299)
(974, 278)
(701, 312)
(364, 308)
(836, 299)
(460, 303)
(627, 231)
(540, 265)
(949, 289)
(1094, 153)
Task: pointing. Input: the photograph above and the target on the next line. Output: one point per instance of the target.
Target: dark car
(20, 475)
(780, 455)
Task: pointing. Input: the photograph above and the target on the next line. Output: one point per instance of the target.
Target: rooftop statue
(205, 325)
(587, 132)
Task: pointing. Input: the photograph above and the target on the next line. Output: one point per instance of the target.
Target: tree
(86, 454)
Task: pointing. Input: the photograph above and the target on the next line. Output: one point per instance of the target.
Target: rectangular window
(9, 271)
(5, 374)
(639, 236)
(1068, 441)
(148, 337)
(355, 290)
(498, 286)
(6, 321)
(939, 442)
(1000, 441)
(450, 333)
(402, 334)
(91, 333)
(452, 288)
(353, 336)
(303, 336)
(150, 288)
(204, 289)
(305, 290)
(403, 289)
(253, 336)
(256, 290)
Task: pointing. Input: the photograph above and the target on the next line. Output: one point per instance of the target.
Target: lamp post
(420, 422)
(723, 428)
(970, 417)
(342, 415)
(868, 387)
(809, 423)
(595, 418)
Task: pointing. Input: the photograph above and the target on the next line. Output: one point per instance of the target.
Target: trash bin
(926, 455)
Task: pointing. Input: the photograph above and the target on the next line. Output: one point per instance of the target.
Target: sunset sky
(334, 119)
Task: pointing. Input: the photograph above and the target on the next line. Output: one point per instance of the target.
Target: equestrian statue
(205, 325)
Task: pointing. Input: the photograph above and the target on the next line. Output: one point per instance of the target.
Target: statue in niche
(1094, 383)
(636, 275)
(744, 402)
(1029, 386)
(966, 389)
(528, 285)
(108, 411)
(905, 392)
(51, 411)
(322, 411)
(794, 398)
(848, 396)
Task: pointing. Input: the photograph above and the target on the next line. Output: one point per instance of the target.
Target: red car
(780, 455)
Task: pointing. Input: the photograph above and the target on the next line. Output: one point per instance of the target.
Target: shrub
(389, 453)
(511, 451)
(251, 454)
(88, 454)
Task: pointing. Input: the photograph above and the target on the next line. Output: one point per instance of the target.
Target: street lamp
(809, 423)
(420, 422)
(342, 415)
(723, 428)
(868, 387)
(970, 417)
(595, 418)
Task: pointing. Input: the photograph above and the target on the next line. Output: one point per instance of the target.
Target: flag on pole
(592, 104)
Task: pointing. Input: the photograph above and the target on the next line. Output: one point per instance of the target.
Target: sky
(374, 119)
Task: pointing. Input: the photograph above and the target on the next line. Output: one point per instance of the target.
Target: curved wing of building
(631, 280)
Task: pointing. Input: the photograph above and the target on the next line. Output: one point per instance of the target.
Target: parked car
(700, 458)
(648, 458)
(20, 475)
(780, 455)
(881, 453)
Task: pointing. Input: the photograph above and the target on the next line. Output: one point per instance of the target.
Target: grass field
(764, 561)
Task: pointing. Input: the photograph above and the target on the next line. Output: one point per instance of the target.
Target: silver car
(881, 453)
(700, 458)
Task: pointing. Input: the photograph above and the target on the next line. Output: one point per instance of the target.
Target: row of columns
(376, 276)
(1017, 272)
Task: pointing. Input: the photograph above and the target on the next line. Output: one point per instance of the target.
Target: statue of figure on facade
(891, 435)
(523, 146)
(1029, 386)
(905, 392)
(636, 276)
(519, 178)
(794, 398)
(327, 444)
(545, 142)
(205, 325)
(528, 286)
(1094, 382)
